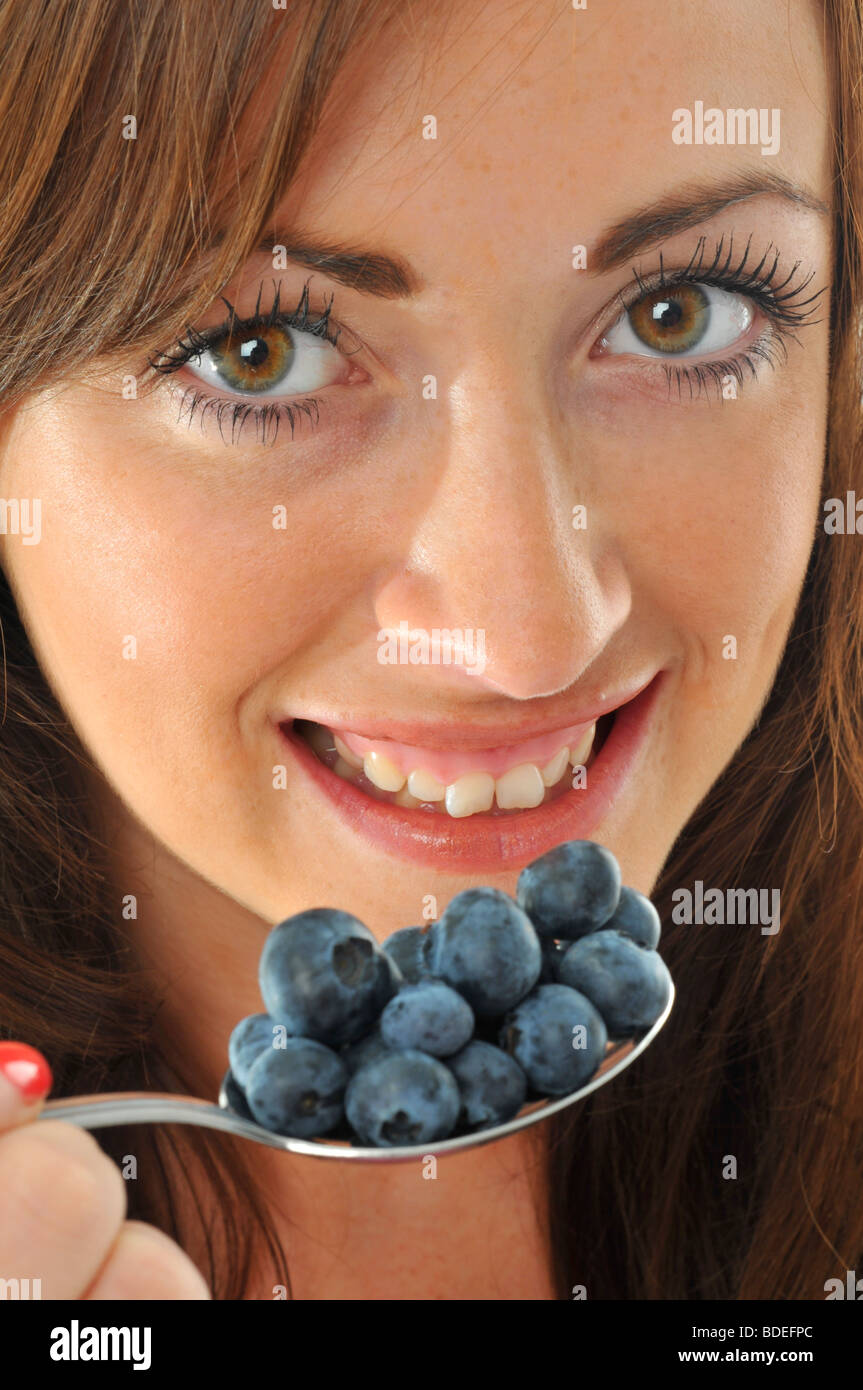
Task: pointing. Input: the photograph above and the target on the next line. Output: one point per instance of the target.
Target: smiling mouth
(494, 782)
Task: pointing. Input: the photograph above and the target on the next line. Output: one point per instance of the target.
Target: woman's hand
(63, 1205)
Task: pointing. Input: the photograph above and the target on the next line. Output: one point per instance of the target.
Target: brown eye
(678, 320)
(254, 359)
(270, 359)
(671, 320)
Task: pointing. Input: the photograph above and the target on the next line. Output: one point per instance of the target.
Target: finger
(144, 1263)
(25, 1080)
(62, 1203)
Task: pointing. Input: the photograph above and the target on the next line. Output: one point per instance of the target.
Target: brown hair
(101, 241)
(761, 1057)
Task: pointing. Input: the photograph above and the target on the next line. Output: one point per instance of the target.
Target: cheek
(740, 539)
(716, 529)
(158, 598)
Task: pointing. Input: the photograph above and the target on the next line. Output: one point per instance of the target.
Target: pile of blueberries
(449, 1028)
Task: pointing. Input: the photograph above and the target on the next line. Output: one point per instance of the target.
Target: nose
(496, 550)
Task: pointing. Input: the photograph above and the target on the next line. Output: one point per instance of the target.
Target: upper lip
(449, 734)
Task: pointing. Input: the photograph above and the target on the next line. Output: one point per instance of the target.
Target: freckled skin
(452, 512)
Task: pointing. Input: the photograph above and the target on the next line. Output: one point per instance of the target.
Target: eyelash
(781, 305)
(239, 411)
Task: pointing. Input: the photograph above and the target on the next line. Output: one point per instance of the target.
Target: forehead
(550, 123)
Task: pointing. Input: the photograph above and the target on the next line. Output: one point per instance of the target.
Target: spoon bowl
(143, 1107)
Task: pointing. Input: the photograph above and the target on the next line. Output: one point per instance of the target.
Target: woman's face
(607, 503)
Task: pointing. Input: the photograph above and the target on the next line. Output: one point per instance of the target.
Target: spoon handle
(142, 1107)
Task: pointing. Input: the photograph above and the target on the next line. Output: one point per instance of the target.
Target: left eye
(269, 360)
(680, 319)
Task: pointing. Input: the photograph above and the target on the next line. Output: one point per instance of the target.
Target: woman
(548, 353)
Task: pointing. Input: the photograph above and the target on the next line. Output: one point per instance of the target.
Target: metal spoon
(143, 1107)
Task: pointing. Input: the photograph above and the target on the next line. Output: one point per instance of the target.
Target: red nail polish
(25, 1068)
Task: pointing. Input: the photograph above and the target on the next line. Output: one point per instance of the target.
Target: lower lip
(483, 843)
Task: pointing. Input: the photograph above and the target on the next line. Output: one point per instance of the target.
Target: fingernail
(26, 1069)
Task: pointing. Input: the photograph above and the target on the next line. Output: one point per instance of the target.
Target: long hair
(101, 244)
(760, 1061)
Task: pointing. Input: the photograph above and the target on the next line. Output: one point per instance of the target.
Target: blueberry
(628, 984)
(486, 948)
(323, 976)
(541, 1035)
(367, 1049)
(405, 1098)
(406, 948)
(251, 1037)
(552, 954)
(430, 1016)
(394, 975)
(571, 890)
(298, 1089)
(491, 1083)
(235, 1097)
(636, 916)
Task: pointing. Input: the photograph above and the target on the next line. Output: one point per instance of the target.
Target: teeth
(553, 771)
(345, 752)
(425, 787)
(520, 787)
(471, 793)
(383, 772)
(578, 756)
(404, 798)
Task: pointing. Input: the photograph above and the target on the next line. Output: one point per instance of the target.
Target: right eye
(269, 359)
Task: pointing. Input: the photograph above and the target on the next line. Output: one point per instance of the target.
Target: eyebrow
(688, 207)
(370, 272)
(393, 277)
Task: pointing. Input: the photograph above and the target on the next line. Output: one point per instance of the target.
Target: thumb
(25, 1080)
